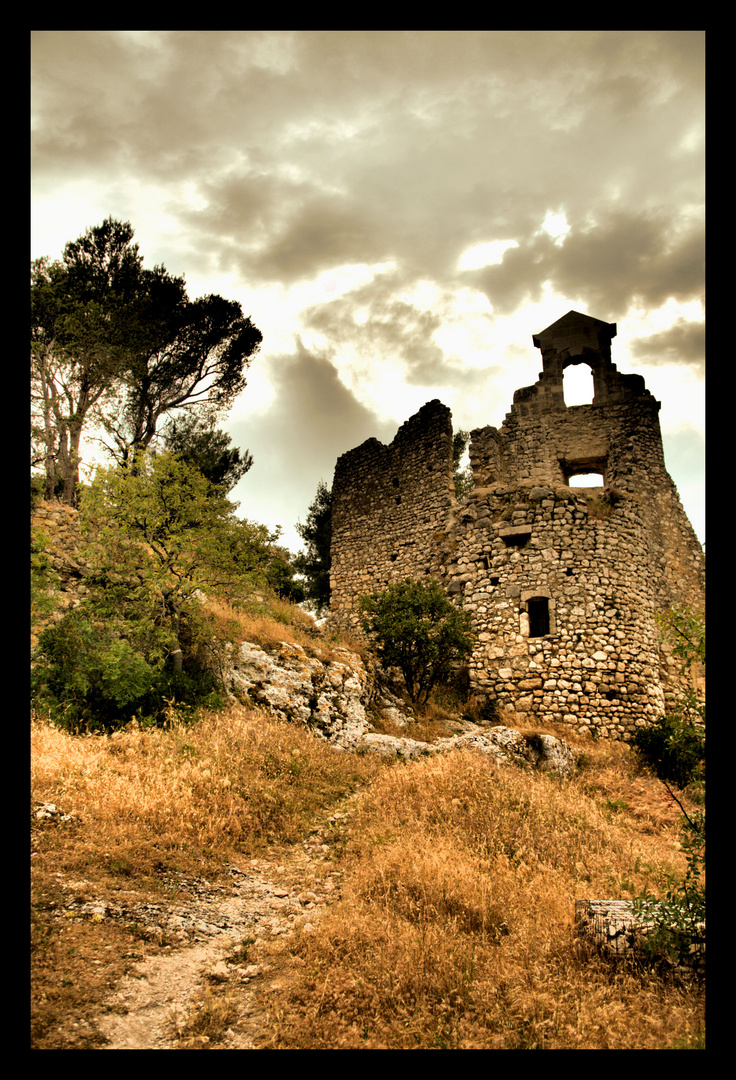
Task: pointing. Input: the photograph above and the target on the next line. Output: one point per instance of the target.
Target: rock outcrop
(330, 696)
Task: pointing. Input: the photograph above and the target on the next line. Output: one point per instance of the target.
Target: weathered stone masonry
(562, 583)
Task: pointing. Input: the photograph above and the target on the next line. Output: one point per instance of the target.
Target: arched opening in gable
(577, 384)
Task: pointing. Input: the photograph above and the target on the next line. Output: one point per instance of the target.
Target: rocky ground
(230, 949)
(224, 946)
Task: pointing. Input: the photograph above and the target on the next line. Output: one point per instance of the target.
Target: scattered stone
(618, 931)
(51, 812)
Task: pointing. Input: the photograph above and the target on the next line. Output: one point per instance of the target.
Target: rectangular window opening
(538, 608)
(517, 536)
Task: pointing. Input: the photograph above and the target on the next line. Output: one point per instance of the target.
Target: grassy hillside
(454, 927)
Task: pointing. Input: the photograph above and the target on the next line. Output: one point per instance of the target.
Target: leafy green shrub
(417, 630)
(161, 538)
(87, 678)
(315, 563)
(90, 678)
(678, 919)
(674, 748)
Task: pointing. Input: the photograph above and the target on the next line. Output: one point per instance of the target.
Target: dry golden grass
(455, 925)
(268, 621)
(144, 803)
(188, 796)
(455, 928)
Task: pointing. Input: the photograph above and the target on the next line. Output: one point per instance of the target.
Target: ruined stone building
(562, 582)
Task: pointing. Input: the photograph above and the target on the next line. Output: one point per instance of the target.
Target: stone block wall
(388, 504)
(55, 527)
(562, 604)
(563, 584)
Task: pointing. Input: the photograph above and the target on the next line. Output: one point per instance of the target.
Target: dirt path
(233, 953)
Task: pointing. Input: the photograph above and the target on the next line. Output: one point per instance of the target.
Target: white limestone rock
(330, 696)
(325, 695)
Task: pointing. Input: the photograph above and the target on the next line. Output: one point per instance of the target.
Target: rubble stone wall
(55, 529)
(388, 504)
(563, 583)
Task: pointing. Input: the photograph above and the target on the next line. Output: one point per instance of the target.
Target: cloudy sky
(398, 212)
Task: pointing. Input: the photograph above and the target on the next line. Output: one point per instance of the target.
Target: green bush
(416, 629)
(678, 918)
(673, 748)
(90, 678)
(160, 538)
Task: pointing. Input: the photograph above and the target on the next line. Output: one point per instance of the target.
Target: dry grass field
(454, 928)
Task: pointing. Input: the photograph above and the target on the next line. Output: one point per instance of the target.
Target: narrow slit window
(538, 608)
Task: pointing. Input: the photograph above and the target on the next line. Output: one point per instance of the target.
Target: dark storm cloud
(379, 324)
(626, 257)
(296, 443)
(319, 409)
(317, 148)
(272, 157)
(321, 233)
(683, 343)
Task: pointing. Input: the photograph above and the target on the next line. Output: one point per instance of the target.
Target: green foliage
(123, 346)
(678, 918)
(88, 678)
(196, 441)
(674, 748)
(417, 630)
(685, 632)
(315, 564)
(282, 578)
(163, 523)
(92, 679)
(84, 327)
(160, 539)
(199, 360)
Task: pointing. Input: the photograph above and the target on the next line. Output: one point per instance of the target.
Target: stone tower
(562, 583)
